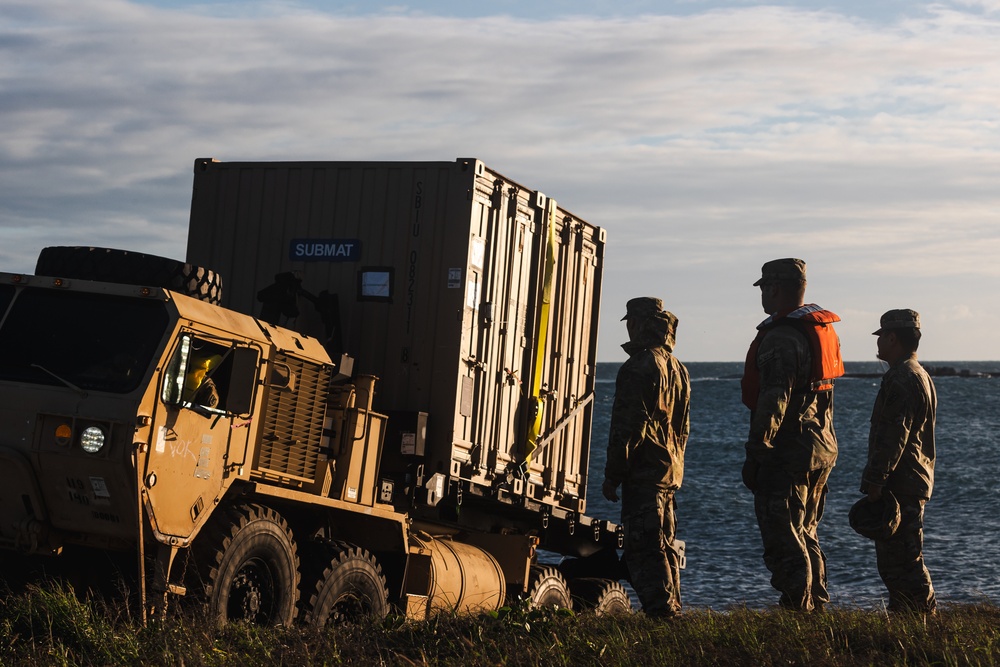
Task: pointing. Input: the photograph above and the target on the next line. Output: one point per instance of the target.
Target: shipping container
(472, 299)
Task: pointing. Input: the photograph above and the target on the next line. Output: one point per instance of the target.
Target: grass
(50, 626)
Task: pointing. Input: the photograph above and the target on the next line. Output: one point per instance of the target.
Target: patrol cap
(642, 306)
(899, 318)
(788, 268)
(876, 520)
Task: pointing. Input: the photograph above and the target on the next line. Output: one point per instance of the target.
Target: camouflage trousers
(788, 514)
(648, 516)
(901, 561)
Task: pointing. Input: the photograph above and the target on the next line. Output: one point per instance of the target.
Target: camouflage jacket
(901, 441)
(791, 426)
(650, 419)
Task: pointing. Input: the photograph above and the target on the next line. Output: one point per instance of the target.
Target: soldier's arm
(778, 358)
(629, 416)
(683, 425)
(889, 436)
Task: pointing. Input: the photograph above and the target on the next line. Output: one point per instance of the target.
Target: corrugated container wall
(437, 272)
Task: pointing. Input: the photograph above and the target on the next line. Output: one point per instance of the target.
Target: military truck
(388, 407)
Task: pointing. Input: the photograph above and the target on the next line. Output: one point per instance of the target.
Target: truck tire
(247, 567)
(130, 268)
(350, 587)
(600, 596)
(547, 588)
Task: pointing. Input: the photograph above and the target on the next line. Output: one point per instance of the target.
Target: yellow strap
(535, 427)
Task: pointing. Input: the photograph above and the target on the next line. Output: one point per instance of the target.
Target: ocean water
(715, 512)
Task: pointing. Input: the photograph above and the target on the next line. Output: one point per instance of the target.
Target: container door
(571, 361)
(503, 254)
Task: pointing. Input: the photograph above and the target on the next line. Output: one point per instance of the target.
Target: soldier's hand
(750, 471)
(610, 490)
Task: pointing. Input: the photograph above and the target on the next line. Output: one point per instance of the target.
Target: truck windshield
(6, 294)
(96, 342)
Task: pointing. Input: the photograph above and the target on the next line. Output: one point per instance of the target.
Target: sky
(706, 137)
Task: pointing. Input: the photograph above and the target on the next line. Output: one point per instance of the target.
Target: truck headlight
(92, 439)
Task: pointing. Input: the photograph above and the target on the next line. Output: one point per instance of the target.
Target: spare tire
(130, 268)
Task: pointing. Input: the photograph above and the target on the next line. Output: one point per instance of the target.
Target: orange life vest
(817, 326)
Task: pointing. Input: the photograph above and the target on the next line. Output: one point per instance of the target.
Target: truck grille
(293, 424)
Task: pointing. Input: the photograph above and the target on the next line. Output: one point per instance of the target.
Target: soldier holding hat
(649, 431)
(901, 460)
(791, 446)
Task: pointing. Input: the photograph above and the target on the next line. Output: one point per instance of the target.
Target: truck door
(200, 430)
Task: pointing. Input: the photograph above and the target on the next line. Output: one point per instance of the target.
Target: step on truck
(388, 406)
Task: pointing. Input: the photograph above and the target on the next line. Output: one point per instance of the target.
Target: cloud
(715, 139)
(988, 6)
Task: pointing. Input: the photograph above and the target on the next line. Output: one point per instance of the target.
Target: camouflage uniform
(791, 449)
(901, 455)
(649, 431)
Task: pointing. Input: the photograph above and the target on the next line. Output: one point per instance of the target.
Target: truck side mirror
(242, 380)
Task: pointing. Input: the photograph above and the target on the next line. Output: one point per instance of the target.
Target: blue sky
(706, 137)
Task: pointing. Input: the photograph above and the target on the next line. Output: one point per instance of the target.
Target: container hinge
(435, 489)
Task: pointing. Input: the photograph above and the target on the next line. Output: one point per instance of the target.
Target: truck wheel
(248, 567)
(130, 268)
(600, 596)
(350, 587)
(547, 588)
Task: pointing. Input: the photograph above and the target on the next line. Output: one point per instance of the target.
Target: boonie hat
(876, 520)
(899, 318)
(642, 306)
(788, 268)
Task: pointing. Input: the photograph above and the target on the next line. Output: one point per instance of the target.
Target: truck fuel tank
(443, 575)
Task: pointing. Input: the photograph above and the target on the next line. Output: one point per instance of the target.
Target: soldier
(199, 387)
(791, 447)
(649, 431)
(901, 460)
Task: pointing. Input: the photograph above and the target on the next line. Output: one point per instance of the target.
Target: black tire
(349, 587)
(547, 588)
(247, 567)
(600, 596)
(130, 268)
